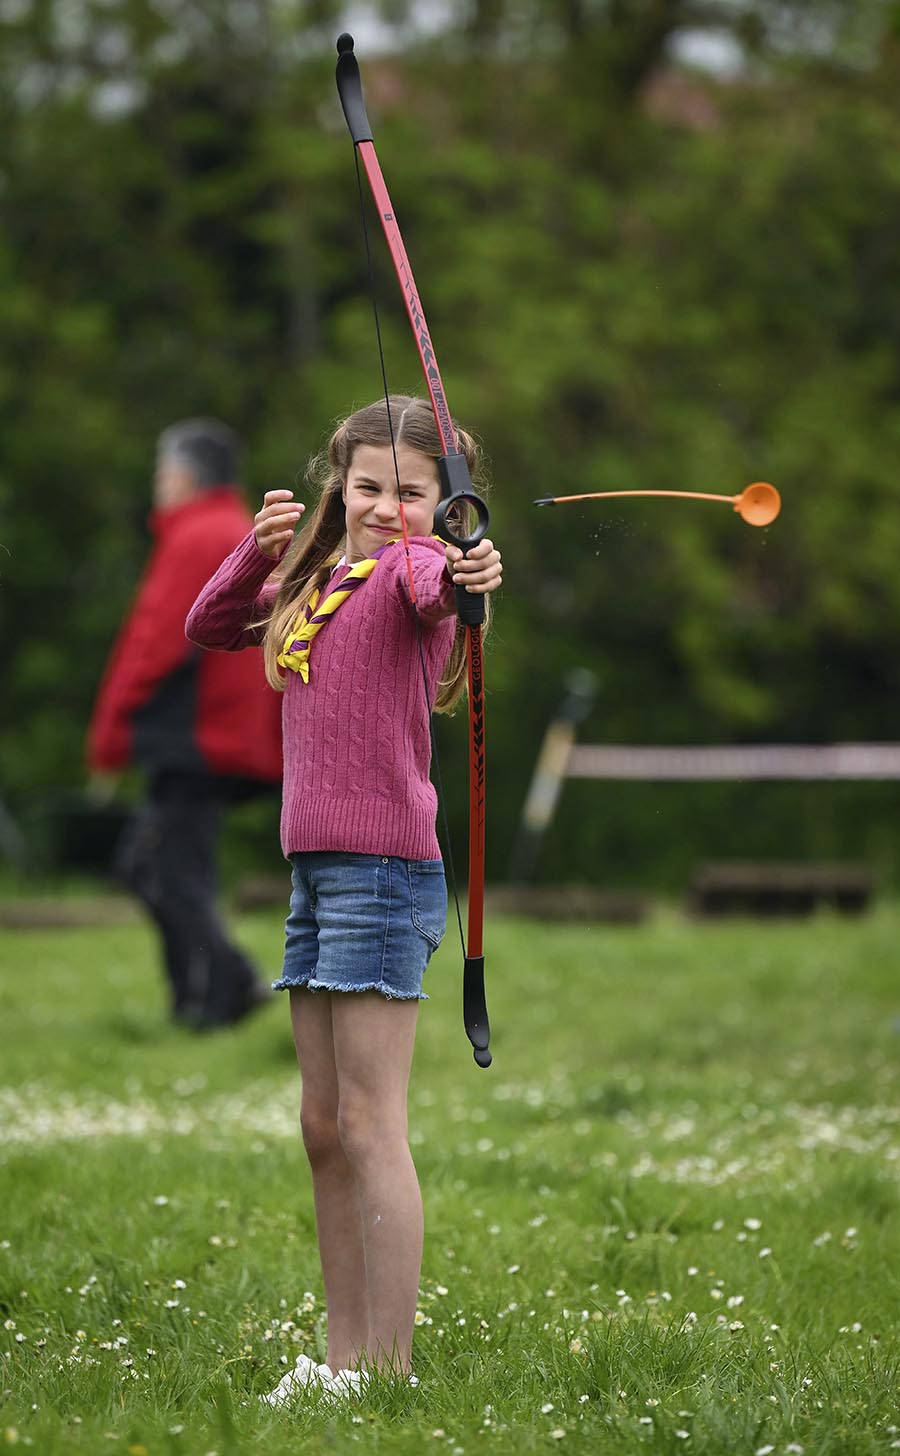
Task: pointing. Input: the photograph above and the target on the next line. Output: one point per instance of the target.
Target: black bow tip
(344, 43)
(482, 1056)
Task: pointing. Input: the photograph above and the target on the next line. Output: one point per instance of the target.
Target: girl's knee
(364, 1130)
(319, 1127)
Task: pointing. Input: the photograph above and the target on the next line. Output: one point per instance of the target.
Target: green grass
(666, 1220)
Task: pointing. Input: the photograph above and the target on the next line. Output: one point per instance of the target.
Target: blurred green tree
(637, 275)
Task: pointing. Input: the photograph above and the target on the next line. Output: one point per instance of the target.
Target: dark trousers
(167, 858)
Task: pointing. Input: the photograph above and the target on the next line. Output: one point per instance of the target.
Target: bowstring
(435, 756)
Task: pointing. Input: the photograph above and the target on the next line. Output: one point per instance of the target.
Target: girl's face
(370, 497)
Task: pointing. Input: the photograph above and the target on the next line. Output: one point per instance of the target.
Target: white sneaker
(348, 1383)
(305, 1376)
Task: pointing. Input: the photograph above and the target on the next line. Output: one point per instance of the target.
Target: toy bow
(458, 503)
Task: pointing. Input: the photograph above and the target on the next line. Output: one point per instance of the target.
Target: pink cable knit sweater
(357, 749)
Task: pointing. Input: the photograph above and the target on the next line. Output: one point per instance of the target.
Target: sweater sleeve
(227, 612)
(435, 594)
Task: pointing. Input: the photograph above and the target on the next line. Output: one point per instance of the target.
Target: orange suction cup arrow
(758, 505)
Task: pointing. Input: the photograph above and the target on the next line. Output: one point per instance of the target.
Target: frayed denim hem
(378, 986)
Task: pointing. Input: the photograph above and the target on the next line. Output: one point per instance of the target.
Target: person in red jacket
(205, 727)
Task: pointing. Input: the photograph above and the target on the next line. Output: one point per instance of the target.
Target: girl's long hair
(310, 558)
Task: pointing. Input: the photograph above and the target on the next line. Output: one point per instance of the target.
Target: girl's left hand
(480, 570)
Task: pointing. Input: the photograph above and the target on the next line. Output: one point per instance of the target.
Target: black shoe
(185, 1013)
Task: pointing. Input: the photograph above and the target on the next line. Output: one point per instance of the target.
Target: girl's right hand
(273, 524)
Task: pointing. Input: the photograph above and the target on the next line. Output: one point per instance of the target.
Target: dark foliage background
(636, 275)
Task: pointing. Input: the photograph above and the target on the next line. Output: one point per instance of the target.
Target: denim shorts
(363, 922)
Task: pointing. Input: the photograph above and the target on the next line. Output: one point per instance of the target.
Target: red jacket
(164, 703)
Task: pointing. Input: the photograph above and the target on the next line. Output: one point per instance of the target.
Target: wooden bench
(742, 888)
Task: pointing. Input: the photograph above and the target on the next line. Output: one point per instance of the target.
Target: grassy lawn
(666, 1220)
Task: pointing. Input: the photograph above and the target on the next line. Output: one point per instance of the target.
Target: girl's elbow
(198, 634)
(192, 632)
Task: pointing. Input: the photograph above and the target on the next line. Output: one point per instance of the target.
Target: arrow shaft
(610, 494)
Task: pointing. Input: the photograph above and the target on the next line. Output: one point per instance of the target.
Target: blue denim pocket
(428, 898)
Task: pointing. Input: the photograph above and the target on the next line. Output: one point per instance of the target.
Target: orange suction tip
(759, 504)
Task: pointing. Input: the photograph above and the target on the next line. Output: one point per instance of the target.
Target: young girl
(369, 899)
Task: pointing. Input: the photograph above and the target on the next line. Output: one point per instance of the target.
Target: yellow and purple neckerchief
(295, 652)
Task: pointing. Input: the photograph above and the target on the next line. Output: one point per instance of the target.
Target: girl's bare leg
(373, 1042)
(335, 1194)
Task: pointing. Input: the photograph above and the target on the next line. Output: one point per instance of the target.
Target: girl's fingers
(280, 508)
(480, 570)
(274, 524)
(481, 586)
(482, 581)
(280, 521)
(279, 503)
(481, 556)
